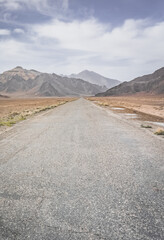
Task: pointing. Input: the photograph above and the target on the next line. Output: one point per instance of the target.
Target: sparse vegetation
(25, 108)
(22, 118)
(49, 107)
(146, 126)
(105, 104)
(159, 131)
(11, 120)
(8, 123)
(12, 115)
(149, 108)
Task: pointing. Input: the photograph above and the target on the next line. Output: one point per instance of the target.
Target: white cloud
(4, 32)
(10, 4)
(135, 42)
(72, 35)
(124, 52)
(19, 31)
(44, 6)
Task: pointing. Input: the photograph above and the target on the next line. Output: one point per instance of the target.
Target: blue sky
(121, 39)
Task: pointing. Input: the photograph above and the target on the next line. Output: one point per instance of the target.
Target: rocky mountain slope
(149, 84)
(95, 78)
(22, 82)
(18, 71)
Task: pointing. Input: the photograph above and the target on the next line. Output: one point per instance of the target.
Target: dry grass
(16, 110)
(105, 104)
(148, 105)
(146, 126)
(159, 131)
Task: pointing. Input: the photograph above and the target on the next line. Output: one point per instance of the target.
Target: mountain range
(96, 78)
(147, 84)
(22, 82)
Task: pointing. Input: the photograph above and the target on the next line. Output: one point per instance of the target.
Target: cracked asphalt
(81, 172)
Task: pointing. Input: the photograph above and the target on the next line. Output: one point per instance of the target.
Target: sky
(120, 39)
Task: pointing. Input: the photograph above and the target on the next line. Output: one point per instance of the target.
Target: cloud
(133, 41)
(65, 4)
(10, 4)
(124, 52)
(44, 6)
(93, 36)
(72, 35)
(4, 32)
(19, 31)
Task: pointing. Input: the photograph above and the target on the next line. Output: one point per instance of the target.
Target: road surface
(81, 172)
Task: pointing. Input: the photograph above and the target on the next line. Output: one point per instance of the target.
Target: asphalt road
(81, 172)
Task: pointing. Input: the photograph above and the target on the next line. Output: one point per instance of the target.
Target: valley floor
(150, 105)
(13, 110)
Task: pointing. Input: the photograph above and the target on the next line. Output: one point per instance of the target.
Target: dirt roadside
(16, 110)
(151, 107)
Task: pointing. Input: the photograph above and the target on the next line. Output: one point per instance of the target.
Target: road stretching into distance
(81, 172)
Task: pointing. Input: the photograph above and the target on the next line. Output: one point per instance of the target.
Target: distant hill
(96, 78)
(149, 84)
(22, 82)
(18, 71)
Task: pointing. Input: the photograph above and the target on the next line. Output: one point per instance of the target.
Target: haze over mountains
(147, 84)
(22, 82)
(95, 78)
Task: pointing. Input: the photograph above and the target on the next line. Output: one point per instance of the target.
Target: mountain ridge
(22, 82)
(25, 74)
(148, 84)
(95, 78)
